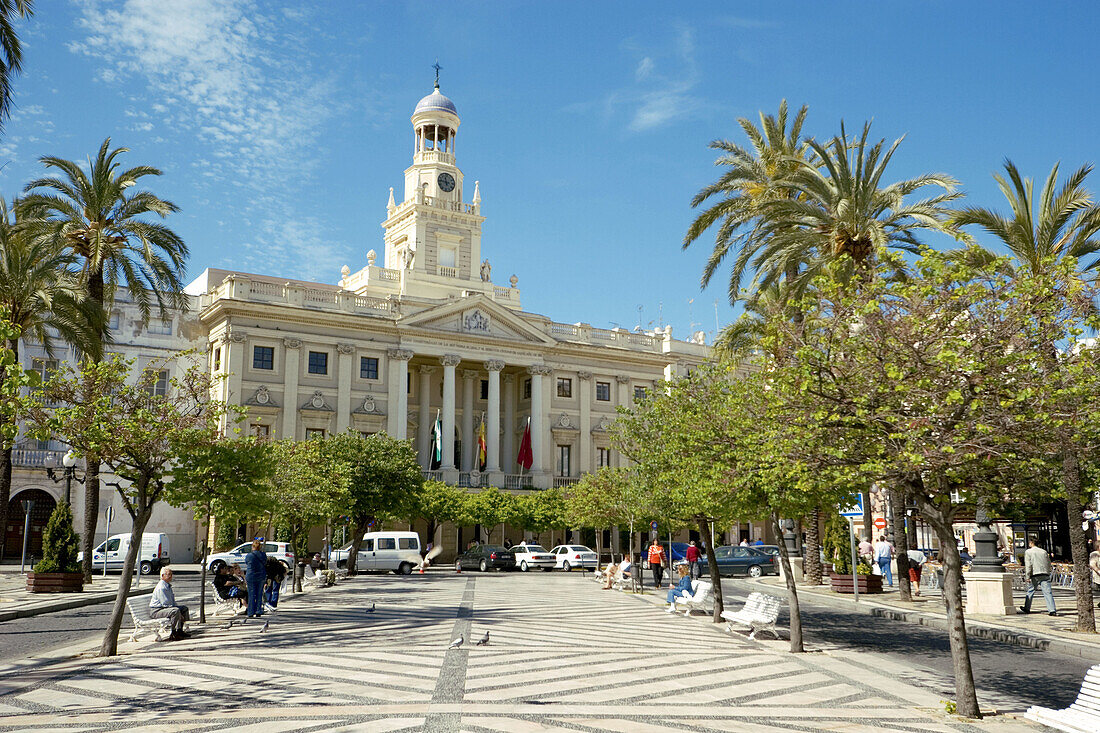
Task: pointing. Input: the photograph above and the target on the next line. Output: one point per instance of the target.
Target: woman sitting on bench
(682, 589)
(229, 586)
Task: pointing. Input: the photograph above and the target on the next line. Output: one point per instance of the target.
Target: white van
(398, 552)
(155, 552)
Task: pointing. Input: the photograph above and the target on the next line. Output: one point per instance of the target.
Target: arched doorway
(13, 534)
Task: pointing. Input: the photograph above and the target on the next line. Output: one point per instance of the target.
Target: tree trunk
(868, 527)
(109, 647)
(358, 529)
(295, 531)
(966, 699)
(202, 569)
(1082, 576)
(792, 588)
(712, 566)
(811, 555)
(91, 514)
(5, 494)
(901, 542)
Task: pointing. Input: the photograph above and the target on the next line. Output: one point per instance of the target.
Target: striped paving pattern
(563, 656)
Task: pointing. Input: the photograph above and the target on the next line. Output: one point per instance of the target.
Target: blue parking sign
(853, 507)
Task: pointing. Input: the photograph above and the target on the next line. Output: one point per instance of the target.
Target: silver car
(568, 557)
(532, 556)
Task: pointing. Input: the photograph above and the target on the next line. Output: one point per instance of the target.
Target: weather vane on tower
(437, 67)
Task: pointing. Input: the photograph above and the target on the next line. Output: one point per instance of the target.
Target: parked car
(532, 556)
(155, 552)
(751, 561)
(280, 550)
(397, 552)
(567, 557)
(484, 557)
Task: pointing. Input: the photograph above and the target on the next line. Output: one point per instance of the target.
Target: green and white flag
(437, 440)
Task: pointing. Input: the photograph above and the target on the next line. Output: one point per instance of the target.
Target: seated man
(317, 565)
(229, 586)
(163, 604)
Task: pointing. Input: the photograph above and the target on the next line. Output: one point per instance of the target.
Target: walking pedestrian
(917, 559)
(255, 574)
(884, 554)
(1037, 569)
(866, 552)
(276, 572)
(656, 562)
(1094, 566)
(692, 555)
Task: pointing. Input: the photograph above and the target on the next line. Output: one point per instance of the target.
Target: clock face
(446, 182)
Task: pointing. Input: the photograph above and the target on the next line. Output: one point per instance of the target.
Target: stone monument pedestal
(989, 593)
(796, 568)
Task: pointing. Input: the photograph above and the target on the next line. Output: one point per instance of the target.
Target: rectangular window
(408, 543)
(368, 367)
(217, 359)
(408, 383)
(365, 434)
(603, 391)
(527, 389)
(387, 543)
(158, 383)
(159, 328)
(113, 323)
(603, 457)
(318, 362)
(563, 467)
(263, 432)
(263, 357)
(44, 368)
(484, 389)
(639, 394)
(315, 433)
(447, 257)
(565, 387)
(42, 444)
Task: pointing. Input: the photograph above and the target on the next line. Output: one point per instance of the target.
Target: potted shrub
(58, 571)
(838, 548)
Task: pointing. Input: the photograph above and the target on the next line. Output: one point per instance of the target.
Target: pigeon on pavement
(456, 643)
(230, 624)
(371, 609)
(264, 627)
(483, 641)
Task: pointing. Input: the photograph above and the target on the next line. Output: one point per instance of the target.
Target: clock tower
(432, 232)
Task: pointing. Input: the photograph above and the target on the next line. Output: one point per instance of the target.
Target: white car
(568, 557)
(279, 550)
(532, 556)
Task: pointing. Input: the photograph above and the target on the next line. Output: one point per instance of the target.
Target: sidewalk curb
(974, 628)
(90, 599)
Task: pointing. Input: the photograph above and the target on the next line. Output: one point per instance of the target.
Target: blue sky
(281, 126)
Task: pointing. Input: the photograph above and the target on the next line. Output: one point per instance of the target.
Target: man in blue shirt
(162, 604)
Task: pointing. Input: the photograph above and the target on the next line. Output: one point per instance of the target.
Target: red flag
(526, 458)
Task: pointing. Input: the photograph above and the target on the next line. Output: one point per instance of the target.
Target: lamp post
(28, 507)
(68, 461)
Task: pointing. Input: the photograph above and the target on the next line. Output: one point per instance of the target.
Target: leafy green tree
(11, 49)
(383, 480)
(220, 479)
(42, 296)
(60, 544)
(436, 502)
(308, 487)
(540, 511)
(1063, 223)
(610, 496)
(135, 432)
(102, 218)
(490, 507)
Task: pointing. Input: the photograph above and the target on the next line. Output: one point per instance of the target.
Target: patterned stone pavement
(563, 656)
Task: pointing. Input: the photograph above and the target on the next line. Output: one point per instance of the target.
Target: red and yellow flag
(482, 447)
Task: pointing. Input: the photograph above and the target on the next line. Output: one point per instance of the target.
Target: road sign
(880, 523)
(653, 526)
(1088, 515)
(110, 513)
(854, 507)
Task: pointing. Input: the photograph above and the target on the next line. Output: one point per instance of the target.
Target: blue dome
(435, 101)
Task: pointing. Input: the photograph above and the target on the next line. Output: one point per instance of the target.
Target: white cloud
(645, 68)
(237, 80)
(665, 80)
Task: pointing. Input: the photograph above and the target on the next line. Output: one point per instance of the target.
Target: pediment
(476, 316)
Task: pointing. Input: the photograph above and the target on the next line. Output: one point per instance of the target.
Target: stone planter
(867, 583)
(55, 582)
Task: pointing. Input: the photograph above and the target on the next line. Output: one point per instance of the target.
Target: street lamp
(28, 507)
(69, 463)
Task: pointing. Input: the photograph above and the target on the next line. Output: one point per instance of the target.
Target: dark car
(484, 557)
(751, 561)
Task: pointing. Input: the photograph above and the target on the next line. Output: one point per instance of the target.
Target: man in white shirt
(884, 555)
(162, 604)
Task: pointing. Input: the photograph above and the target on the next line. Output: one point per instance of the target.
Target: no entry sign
(880, 523)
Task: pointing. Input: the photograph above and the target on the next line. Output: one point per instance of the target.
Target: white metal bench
(1083, 716)
(701, 590)
(314, 579)
(143, 622)
(231, 605)
(759, 613)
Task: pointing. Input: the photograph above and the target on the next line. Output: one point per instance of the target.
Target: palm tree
(1062, 222)
(11, 49)
(42, 297)
(100, 216)
(752, 178)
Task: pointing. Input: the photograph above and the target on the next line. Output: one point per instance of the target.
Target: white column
(235, 346)
(509, 450)
(626, 399)
(539, 419)
(449, 362)
(469, 439)
(427, 420)
(344, 370)
(492, 420)
(293, 350)
(584, 390)
(398, 404)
